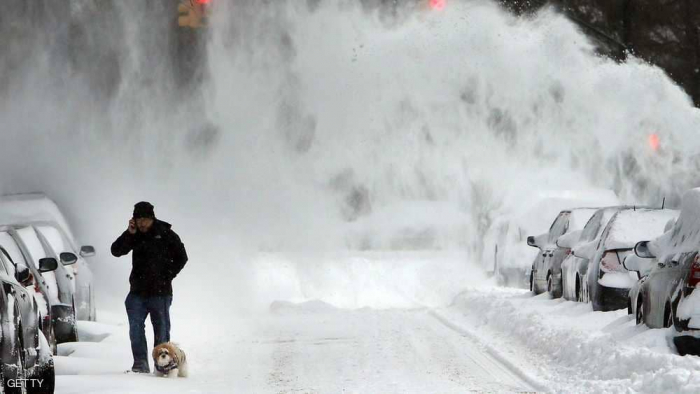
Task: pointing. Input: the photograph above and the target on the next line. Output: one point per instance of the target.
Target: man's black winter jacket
(158, 257)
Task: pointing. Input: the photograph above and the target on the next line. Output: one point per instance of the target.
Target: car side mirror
(586, 251)
(23, 275)
(538, 241)
(68, 258)
(48, 264)
(568, 241)
(87, 251)
(641, 249)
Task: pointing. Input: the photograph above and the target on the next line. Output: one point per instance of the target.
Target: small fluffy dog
(170, 361)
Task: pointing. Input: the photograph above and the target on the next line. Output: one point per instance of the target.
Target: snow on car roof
(633, 225)
(32, 207)
(539, 216)
(684, 236)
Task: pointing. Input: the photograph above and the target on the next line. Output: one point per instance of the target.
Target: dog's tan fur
(175, 353)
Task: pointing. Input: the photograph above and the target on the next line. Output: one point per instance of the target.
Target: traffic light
(192, 13)
(438, 5)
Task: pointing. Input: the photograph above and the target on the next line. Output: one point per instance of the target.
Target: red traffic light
(654, 142)
(438, 5)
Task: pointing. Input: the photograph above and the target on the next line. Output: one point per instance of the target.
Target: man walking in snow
(158, 256)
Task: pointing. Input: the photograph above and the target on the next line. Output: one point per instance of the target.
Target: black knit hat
(144, 210)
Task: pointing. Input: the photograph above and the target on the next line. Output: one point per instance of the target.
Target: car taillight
(610, 262)
(568, 252)
(694, 277)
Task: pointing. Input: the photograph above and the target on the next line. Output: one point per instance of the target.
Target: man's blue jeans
(138, 308)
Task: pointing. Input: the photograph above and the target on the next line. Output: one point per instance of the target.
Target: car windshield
(594, 228)
(6, 262)
(32, 243)
(559, 227)
(590, 231)
(54, 238)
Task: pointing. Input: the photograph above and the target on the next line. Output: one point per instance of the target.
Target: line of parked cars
(46, 289)
(506, 251)
(644, 259)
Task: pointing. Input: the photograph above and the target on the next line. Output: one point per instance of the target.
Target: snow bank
(88, 366)
(574, 348)
(89, 331)
(314, 306)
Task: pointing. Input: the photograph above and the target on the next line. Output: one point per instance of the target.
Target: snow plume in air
(320, 125)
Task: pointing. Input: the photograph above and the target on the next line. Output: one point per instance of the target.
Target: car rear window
(631, 226)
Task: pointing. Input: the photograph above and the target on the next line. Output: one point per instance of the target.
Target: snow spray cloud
(315, 117)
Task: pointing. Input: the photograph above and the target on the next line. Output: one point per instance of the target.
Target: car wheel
(639, 316)
(668, 316)
(52, 341)
(550, 285)
(47, 377)
(579, 297)
(44, 371)
(15, 372)
(532, 282)
(74, 328)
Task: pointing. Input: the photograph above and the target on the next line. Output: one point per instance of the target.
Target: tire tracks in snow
(501, 361)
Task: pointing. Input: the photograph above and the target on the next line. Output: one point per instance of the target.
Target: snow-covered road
(385, 323)
(487, 340)
(309, 348)
(369, 351)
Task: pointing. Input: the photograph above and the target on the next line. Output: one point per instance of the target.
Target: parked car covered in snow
(672, 283)
(43, 215)
(59, 286)
(38, 282)
(654, 315)
(575, 269)
(506, 252)
(608, 280)
(546, 269)
(25, 352)
(505, 244)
